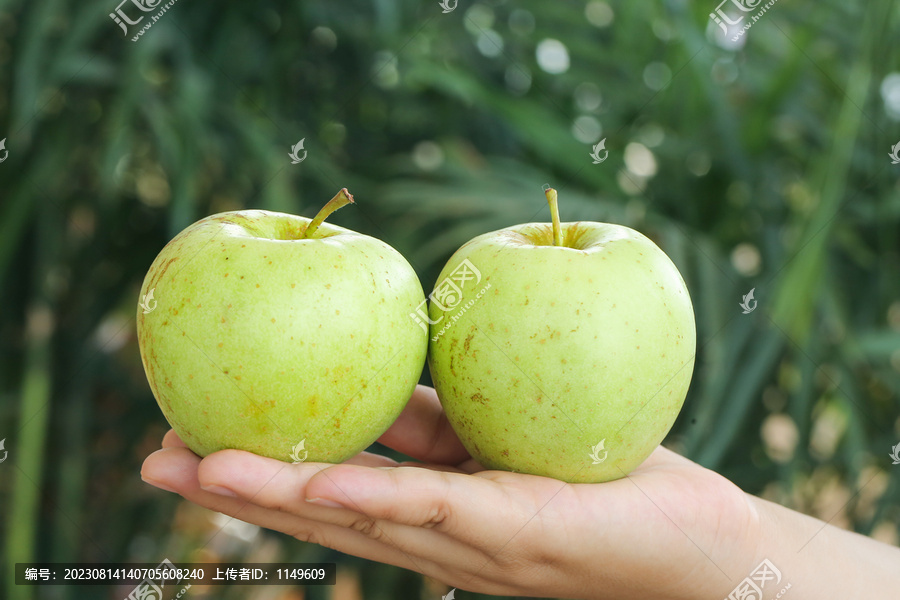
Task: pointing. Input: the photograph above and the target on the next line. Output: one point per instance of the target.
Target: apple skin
(569, 346)
(259, 341)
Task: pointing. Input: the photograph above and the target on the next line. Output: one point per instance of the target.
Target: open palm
(671, 529)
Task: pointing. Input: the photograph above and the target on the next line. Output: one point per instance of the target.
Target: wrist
(811, 558)
(739, 534)
(746, 552)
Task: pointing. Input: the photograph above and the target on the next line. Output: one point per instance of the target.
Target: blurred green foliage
(755, 166)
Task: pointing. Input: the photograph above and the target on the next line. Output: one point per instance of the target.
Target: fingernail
(221, 491)
(159, 485)
(324, 502)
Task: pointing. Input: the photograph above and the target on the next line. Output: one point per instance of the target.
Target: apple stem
(341, 199)
(554, 214)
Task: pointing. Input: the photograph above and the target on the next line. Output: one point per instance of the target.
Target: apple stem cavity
(341, 199)
(554, 214)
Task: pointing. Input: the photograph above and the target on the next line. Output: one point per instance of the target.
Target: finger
(171, 440)
(423, 432)
(176, 470)
(281, 487)
(481, 511)
(368, 459)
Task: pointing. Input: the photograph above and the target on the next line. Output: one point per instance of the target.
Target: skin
(670, 530)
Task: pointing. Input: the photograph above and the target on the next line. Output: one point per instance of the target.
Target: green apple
(282, 336)
(564, 350)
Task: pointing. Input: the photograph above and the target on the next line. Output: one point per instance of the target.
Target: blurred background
(761, 163)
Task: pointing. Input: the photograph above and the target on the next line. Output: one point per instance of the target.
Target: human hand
(671, 529)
